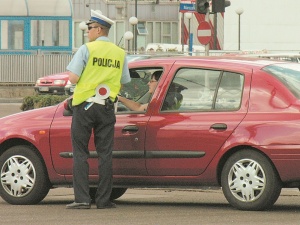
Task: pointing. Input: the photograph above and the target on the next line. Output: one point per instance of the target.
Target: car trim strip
(174, 154)
(140, 154)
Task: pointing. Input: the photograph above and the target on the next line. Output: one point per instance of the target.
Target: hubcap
(18, 176)
(246, 180)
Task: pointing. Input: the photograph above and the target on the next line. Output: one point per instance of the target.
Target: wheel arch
(17, 142)
(235, 149)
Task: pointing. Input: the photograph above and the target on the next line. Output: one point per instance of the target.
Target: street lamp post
(189, 17)
(135, 32)
(239, 11)
(182, 32)
(128, 36)
(133, 21)
(83, 27)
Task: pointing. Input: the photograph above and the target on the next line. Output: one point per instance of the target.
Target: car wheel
(115, 193)
(24, 180)
(249, 181)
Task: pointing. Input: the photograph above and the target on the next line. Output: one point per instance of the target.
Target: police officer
(98, 69)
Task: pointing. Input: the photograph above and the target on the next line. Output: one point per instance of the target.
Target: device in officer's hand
(102, 93)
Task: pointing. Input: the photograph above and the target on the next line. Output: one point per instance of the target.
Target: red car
(52, 84)
(227, 122)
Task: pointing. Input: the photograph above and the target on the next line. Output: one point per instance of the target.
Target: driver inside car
(136, 106)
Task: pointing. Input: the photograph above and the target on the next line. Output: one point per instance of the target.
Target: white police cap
(97, 17)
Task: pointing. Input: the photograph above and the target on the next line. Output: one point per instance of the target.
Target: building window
(49, 33)
(157, 32)
(162, 32)
(174, 33)
(150, 32)
(120, 27)
(166, 32)
(12, 34)
(142, 30)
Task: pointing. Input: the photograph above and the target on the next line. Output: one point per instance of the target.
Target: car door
(129, 142)
(129, 139)
(199, 109)
(128, 152)
(130, 128)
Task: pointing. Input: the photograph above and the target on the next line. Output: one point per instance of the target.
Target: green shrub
(39, 101)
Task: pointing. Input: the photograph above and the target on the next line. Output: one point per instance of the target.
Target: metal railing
(26, 69)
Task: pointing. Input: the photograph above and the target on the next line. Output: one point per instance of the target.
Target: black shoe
(76, 205)
(107, 206)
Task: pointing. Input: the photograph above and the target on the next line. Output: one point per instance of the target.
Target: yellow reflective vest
(104, 66)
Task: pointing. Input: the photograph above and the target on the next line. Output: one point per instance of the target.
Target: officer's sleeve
(79, 61)
(125, 74)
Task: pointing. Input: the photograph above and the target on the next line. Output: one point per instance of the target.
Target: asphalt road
(149, 207)
(153, 207)
(9, 108)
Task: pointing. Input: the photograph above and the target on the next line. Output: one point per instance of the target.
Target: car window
(288, 74)
(138, 89)
(230, 91)
(204, 90)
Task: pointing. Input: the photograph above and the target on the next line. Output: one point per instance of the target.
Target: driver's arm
(132, 105)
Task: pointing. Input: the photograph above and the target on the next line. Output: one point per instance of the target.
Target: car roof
(150, 56)
(208, 61)
(56, 76)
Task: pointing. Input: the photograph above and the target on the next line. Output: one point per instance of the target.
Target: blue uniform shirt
(80, 58)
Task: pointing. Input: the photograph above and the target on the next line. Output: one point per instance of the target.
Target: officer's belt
(96, 100)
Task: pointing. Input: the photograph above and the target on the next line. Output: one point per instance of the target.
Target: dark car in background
(52, 84)
(228, 122)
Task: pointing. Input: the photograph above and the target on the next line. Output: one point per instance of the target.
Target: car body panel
(31, 127)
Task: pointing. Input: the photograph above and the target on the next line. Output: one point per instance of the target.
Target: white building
(158, 20)
(271, 25)
(265, 24)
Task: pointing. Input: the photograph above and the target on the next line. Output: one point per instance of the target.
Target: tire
(24, 180)
(249, 181)
(116, 193)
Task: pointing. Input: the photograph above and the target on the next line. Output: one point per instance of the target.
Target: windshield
(288, 74)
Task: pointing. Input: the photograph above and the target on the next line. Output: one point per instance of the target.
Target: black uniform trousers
(102, 120)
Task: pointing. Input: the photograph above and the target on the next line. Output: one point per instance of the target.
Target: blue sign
(186, 7)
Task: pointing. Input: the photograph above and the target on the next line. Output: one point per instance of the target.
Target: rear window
(288, 74)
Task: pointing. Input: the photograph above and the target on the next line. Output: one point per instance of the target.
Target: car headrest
(134, 74)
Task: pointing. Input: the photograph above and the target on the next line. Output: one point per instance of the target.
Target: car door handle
(130, 129)
(219, 126)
